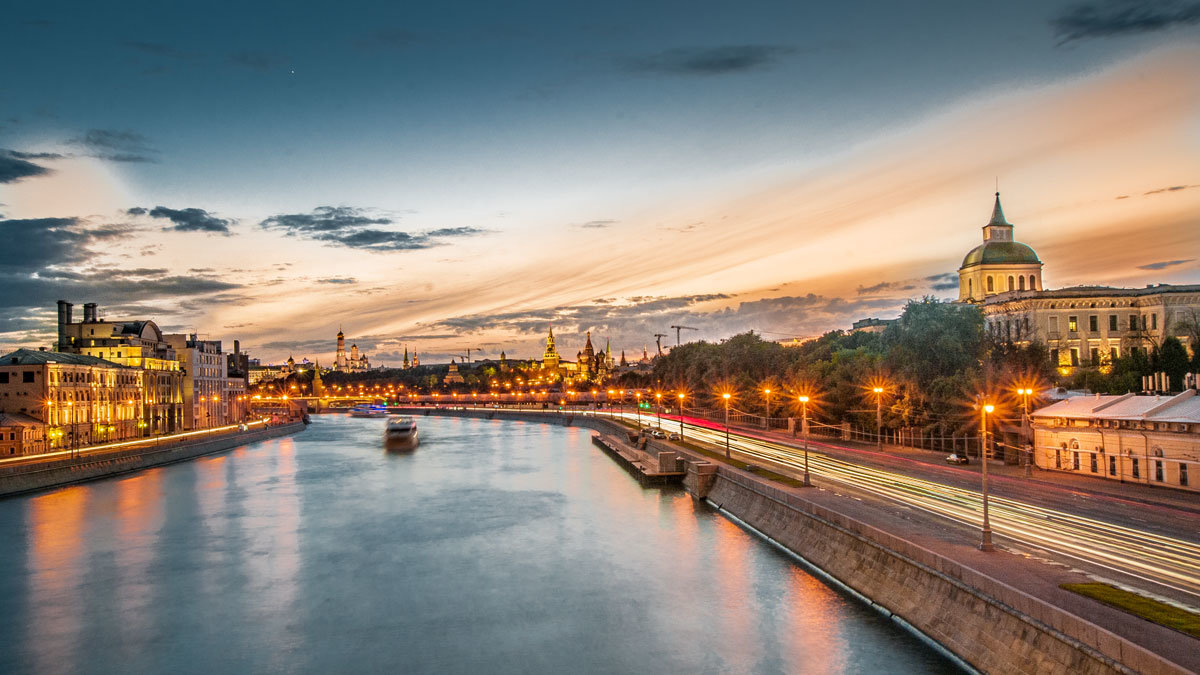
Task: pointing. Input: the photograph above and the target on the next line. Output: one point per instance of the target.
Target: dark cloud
(188, 220)
(1164, 264)
(1173, 188)
(597, 224)
(1108, 18)
(946, 281)
(257, 60)
(44, 242)
(115, 145)
(338, 280)
(351, 227)
(709, 60)
(15, 166)
(885, 286)
(136, 211)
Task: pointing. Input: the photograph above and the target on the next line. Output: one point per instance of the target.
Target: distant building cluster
(115, 380)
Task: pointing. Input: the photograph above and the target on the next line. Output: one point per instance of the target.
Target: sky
(444, 177)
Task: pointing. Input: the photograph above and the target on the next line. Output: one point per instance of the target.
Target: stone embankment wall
(55, 473)
(988, 624)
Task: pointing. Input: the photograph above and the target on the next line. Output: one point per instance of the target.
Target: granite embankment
(991, 625)
(40, 475)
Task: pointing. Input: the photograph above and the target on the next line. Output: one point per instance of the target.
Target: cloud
(709, 60)
(597, 224)
(1108, 18)
(886, 286)
(1173, 188)
(1164, 264)
(338, 280)
(44, 242)
(115, 145)
(14, 166)
(946, 281)
(187, 220)
(352, 227)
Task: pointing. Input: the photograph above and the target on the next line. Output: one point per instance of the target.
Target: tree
(1172, 358)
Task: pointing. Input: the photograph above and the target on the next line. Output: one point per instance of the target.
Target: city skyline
(448, 185)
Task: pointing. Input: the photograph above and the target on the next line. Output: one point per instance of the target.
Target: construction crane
(467, 356)
(658, 339)
(680, 328)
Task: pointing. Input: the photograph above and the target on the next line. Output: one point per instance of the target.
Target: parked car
(956, 458)
(674, 437)
(658, 433)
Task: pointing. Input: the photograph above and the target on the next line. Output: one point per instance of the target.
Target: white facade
(204, 382)
(1130, 438)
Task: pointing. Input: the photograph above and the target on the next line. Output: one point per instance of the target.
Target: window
(1095, 356)
(27, 376)
(1075, 461)
(1112, 466)
(1072, 323)
(991, 287)
(1074, 356)
(1054, 324)
(1183, 479)
(1133, 322)
(1136, 470)
(1021, 283)
(1112, 353)
(1054, 356)
(1158, 472)
(1011, 286)
(3, 378)
(1153, 322)
(1094, 462)
(1093, 323)
(1112, 322)
(970, 289)
(1032, 287)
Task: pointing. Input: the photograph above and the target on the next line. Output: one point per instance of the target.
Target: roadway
(1151, 545)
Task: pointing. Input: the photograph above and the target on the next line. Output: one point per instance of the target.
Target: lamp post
(767, 419)
(638, 408)
(1025, 393)
(985, 542)
(804, 430)
(879, 416)
(658, 404)
(726, 397)
(681, 417)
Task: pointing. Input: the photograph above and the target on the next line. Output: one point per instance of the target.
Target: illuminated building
(205, 381)
(355, 362)
(452, 375)
(1129, 438)
(136, 344)
(21, 434)
(999, 264)
(81, 400)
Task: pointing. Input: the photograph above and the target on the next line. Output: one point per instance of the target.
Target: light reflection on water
(495, 547)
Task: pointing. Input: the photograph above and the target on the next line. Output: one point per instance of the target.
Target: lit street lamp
(726, 397)
(681, 417)
(879, 416)
(638, 407)
(804, 431)
(1025, 393)
(658, 406)
(767, 419)
(985, 543)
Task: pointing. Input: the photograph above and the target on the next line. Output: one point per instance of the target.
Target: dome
(1001, 253)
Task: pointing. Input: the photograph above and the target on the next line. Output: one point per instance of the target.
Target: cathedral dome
(1001, 253)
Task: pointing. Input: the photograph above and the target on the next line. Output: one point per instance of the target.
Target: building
(999, 264)
(550, 360)
(135, 344)
(21, 434)
(452, 375)
(1081, 326)
(1129, 438)
(205, 381)
(355, 362)
(864, 325)
(80, 400)
(238, 363)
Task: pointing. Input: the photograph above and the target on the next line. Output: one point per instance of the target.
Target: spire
(998, 214)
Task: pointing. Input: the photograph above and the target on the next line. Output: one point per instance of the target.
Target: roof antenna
(997, 186)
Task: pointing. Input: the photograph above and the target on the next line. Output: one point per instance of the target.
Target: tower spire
(998, 214)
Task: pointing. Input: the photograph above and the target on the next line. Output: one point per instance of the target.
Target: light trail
(1167, 561)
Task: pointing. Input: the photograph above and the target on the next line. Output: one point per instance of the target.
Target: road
(1095, 532)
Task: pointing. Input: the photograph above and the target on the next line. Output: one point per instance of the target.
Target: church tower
(339, 362)
(999, 264)
(318, 387)
(550, 358)
(406, 357)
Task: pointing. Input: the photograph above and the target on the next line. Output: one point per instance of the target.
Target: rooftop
(1093, 291)
(17, 420)
(33, 357)
(1183, 407)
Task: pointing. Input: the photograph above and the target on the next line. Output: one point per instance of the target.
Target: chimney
(237, 347)
(64, 318)
(89, 312)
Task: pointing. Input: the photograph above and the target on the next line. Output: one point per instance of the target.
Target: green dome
(1001, 253)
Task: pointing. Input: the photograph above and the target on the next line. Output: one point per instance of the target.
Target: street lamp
(726, 397)
(985, 543)
(681, 417)
(1025, 393)
(767, 419)
(638, 408)
(658, 407)
(879, 416)
(804, 431)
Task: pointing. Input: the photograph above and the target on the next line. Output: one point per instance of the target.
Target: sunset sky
(446, 176)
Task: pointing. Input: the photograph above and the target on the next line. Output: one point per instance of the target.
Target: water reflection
(496, 547)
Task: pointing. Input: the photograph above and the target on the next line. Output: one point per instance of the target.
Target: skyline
(530, 181)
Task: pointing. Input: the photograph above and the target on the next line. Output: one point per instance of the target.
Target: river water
(498, 547)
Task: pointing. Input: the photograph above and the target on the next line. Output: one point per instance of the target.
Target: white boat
(368, 410)
(400, 433)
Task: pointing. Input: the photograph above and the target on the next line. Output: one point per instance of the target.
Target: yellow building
(81, 400)
(999, 264)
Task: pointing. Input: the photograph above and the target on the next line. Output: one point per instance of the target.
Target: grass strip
(1151, 610)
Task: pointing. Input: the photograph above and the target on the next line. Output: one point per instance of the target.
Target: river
(497, 547)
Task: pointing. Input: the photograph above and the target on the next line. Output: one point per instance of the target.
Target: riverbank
(38, 475)
(994, 611)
